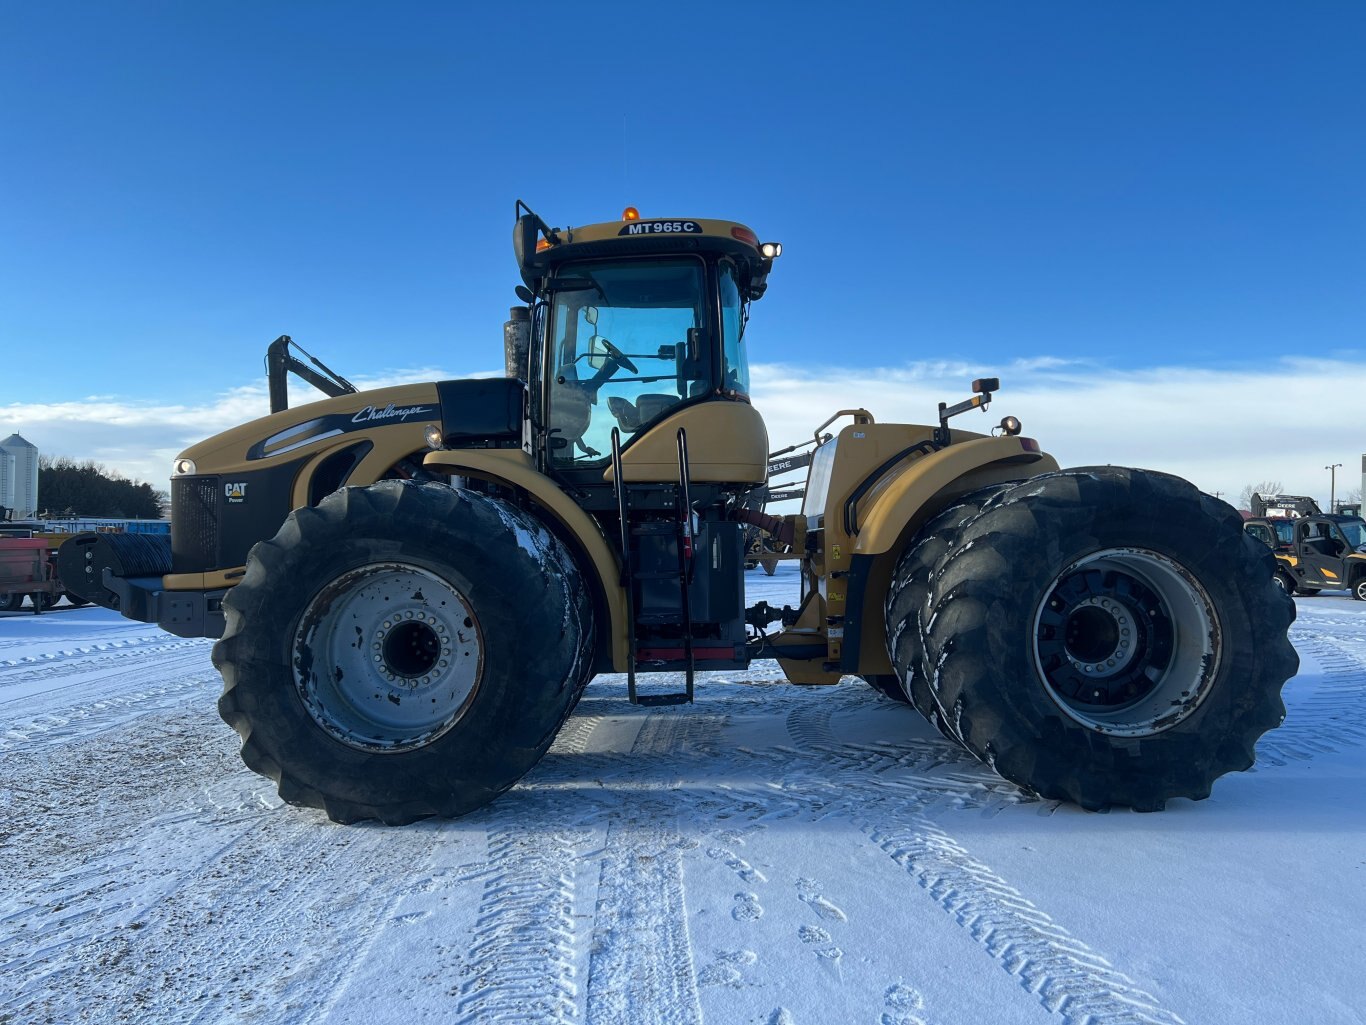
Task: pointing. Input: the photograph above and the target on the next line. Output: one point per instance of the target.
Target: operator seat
(632, 415)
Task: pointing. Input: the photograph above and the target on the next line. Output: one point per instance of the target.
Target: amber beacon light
(630, 214)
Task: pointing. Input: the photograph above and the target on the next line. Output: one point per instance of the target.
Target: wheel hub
(388, 657)
(410, 648)
(1098, 637)
(1126, 641)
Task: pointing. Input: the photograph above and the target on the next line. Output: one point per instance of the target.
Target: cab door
(1322, 552)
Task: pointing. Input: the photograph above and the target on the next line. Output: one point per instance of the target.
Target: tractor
(411, 587)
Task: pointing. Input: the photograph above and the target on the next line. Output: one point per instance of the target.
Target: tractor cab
(639, 410)
(634, 324)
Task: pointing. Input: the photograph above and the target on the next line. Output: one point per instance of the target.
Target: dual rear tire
(1103, 635)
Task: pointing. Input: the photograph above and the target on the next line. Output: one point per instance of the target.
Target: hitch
(760, 614)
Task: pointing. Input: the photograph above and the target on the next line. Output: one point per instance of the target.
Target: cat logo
(235, 493)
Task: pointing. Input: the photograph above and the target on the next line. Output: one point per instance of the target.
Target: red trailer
(26, 569)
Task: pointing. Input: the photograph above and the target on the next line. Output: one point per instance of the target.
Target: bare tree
(1265, 488)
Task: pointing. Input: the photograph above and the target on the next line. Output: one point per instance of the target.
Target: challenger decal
(322, 427)
(370, 413)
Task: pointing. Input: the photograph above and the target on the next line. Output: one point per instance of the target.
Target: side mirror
(694, 343)
(597, 351)
(524, 238)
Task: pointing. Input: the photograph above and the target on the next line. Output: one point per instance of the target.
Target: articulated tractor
(412, 586)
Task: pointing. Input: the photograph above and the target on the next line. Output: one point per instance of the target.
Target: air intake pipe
(517, 342)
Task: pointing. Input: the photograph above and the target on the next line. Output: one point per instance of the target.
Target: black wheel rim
(1126, 641)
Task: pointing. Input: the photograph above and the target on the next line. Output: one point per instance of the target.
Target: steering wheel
(617, 356)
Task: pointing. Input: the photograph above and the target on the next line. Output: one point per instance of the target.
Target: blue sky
(1107, 189)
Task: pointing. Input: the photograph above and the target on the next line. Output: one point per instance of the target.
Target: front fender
(597, 559)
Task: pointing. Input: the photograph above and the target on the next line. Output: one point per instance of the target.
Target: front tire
(403, 650)
(1110, 637)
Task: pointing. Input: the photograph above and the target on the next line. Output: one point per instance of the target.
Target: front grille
(194, 524)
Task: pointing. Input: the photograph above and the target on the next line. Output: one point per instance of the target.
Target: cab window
(1355, 532)
(627, 345)
(736, 379)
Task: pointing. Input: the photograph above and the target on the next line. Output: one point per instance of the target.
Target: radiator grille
(194, 524)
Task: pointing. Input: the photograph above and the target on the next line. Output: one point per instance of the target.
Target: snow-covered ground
(770, 855)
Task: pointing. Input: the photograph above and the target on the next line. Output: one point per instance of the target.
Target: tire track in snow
(75, 711)
(186, 888)
(1066, 976)
(913, 764)
(1332, 717)
(68, 662)
(522, 951)
(526, 949)
(642, 952)
(148, 868)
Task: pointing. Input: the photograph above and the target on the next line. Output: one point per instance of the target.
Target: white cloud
(139, 438)
(1220, 429)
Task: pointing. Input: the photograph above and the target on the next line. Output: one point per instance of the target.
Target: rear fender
(895, 507)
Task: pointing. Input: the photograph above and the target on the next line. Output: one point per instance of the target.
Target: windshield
(626, 347)
(1355, 532)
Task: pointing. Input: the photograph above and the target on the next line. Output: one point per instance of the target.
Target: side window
(623, 351)
(1262, 533)
(732, 332)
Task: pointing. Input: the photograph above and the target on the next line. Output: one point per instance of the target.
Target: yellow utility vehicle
(414, 585)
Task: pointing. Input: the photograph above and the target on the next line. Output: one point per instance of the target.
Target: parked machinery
(413, 585)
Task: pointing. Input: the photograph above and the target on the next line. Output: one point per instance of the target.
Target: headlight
(433, 436)
(182, 467)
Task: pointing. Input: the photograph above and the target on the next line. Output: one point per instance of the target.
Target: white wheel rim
(401, 653)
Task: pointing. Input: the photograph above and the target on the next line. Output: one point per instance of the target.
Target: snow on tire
(1109, 636)
(403, 650)
(905, 612)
